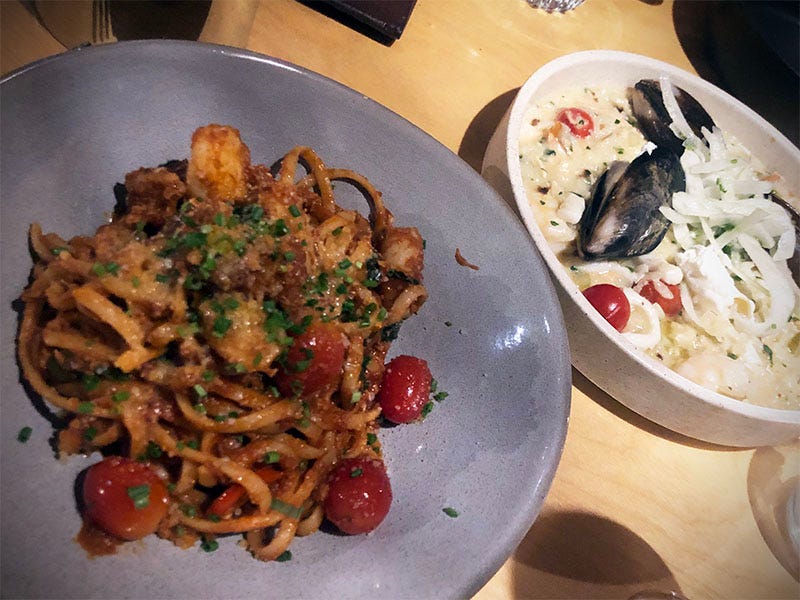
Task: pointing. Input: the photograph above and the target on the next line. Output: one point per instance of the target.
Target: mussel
(647, 102)
(622, 219)
(794, 261)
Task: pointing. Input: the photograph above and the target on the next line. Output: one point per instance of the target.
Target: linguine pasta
(167, 336)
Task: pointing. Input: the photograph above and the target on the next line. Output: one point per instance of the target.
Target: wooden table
(633, 508)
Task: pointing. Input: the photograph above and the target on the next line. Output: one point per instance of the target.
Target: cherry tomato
(405, 388)
(577, 120)
(611, 302)
(233, 496)
(124, 498)
(359, 495)
(671, 306)
(314, 362)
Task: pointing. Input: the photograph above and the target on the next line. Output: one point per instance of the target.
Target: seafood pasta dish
(222, 342)
(674, 232)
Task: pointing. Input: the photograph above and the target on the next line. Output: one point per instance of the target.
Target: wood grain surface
(634, 510)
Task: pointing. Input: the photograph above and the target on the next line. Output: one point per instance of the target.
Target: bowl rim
(518, 108)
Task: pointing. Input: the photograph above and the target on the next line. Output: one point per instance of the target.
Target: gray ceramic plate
(73, 125)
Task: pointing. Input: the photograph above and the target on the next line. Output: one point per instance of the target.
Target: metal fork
(101, 22)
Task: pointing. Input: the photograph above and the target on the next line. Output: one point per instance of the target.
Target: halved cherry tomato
(314, 362)
(405, 388)
(611, 302)
(577, 120)
(359, 495)
(233, 497)
(671, 306)
(124, 498)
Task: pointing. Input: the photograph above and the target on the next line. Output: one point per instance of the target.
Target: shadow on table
(720, 39)
(607, 402)
(479, 131)
(580, 555)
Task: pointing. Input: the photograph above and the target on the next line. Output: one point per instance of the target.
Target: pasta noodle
(166, 336)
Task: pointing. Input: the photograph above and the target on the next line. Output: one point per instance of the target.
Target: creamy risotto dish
(679, 237)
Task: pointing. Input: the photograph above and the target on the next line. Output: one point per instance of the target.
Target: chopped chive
(86, 408)
(200, 391)
(199, 408)
(768, 352)
(371, 439)
(153, 450)
(140, 494)
(230, 303)
(357, 472)
(354, 399)
(272, 457)
(24, 434)
(450, 512)
(120, 396)
(209, 545)
(90, 433)
(291, 511)
(285, 556)
(221, 325)
(90, 382)
(188, 510)
(294, 211)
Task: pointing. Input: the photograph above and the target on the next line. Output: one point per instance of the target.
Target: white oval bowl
(603, 355)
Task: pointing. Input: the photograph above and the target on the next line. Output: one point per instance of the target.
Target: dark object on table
(383, 20)
(778, 22)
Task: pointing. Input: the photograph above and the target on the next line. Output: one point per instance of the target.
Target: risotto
(714, 298)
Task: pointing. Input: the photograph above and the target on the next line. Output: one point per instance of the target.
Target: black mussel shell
(623, 218)
(794, 261)
(654, 120)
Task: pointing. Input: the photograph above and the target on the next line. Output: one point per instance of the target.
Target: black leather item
(387, 17)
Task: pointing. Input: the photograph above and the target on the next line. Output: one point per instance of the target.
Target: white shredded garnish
(648, 325)
(679, 125)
